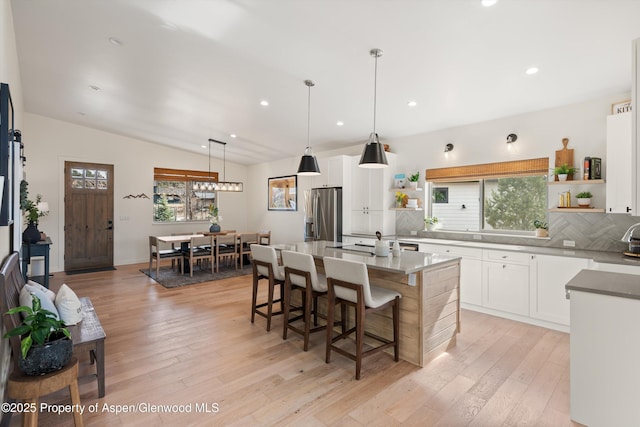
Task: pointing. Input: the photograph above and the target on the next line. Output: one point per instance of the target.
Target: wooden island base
(429, 311)
(430, 289)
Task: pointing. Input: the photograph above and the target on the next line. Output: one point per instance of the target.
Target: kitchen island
(605, 348)
(430, 288)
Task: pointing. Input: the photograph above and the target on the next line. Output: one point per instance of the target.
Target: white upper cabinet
(619, 164)
(332, 171)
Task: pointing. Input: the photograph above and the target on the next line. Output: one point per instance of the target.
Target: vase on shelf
(214, 228)
(31, 233)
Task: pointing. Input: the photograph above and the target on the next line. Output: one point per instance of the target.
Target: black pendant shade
(308, 164)
(373, 155)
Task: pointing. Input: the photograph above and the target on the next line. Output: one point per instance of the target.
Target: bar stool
(348, 284)
(265, 266)
(300, 274)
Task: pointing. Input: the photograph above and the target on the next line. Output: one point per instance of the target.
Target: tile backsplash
(589, 231)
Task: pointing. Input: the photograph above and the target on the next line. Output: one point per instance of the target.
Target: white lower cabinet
(470, 270)
(506, 286)
(517, 285)
(549, 275)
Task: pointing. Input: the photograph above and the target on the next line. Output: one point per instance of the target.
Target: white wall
(539, 135)
(49, 143)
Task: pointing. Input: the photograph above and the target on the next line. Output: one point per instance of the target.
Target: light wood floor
(196, 346)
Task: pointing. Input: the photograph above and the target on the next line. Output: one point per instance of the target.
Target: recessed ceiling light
(94, 87)
(233, 135)
(339, 123)
(412, 103)
(264, 103)
(531, 70)
(116, 42)
(203, 146)
(487, 3)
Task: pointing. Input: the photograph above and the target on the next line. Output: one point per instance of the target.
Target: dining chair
(265, 266)
(244, 246)
(226, 250)
(300, 274)
(200, 248)
(156, 253)
(264, 237)
(348, 285)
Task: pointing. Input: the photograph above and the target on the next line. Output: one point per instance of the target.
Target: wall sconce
(448, 147)
(512, 137)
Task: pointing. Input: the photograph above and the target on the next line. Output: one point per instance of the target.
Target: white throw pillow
(45, 302)
(48, 292)
(68, 305)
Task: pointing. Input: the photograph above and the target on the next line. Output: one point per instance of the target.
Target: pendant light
(224, 185)
(308, 162)
(373, 153)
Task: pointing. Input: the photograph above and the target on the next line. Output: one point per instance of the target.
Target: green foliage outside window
(163, 212)
(516, 203)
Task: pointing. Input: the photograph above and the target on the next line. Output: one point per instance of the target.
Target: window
(506, 196)
(182, 195)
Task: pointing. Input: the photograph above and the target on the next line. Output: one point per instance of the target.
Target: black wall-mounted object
(6, 147)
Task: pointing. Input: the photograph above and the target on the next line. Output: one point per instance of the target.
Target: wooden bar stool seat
(29, 389)
(348, 285)
(265, 266)
(300, 274)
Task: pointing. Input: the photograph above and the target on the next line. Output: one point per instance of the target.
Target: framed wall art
(283, 193)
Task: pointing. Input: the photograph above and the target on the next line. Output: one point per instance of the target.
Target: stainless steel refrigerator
(323, 214)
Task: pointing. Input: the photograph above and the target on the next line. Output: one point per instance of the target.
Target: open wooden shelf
(578, 182)
(577, 209)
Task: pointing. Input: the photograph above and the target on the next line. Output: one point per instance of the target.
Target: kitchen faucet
(628, 236)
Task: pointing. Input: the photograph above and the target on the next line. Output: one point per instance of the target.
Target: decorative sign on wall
(283, 193)
(621, 107)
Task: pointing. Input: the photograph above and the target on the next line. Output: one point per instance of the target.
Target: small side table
(30, 250)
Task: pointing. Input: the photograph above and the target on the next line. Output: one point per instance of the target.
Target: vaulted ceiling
(180, 72)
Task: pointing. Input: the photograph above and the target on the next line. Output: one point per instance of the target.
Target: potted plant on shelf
(563, 172)
(401, 199)
(431, 223)
(542, 229)
(584, 199)
(413, 180)
(45, 344)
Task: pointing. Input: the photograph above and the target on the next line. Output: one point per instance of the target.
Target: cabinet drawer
(452, 250)
(506, 256)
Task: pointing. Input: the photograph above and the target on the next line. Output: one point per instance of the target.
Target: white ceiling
(190, 70)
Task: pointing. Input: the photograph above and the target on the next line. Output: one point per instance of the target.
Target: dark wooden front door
(88, 213)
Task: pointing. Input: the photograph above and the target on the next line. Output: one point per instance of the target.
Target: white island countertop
(408, 262)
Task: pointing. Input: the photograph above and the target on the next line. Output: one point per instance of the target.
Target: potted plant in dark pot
(33, 211)
(45, 343)
(215, 219)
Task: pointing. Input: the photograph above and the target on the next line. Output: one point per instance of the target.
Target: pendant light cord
(309, 117)
(375, 86)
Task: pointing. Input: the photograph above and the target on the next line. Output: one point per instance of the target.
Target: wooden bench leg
(99, 355)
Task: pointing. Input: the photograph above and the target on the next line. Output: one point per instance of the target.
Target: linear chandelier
(224, 185)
